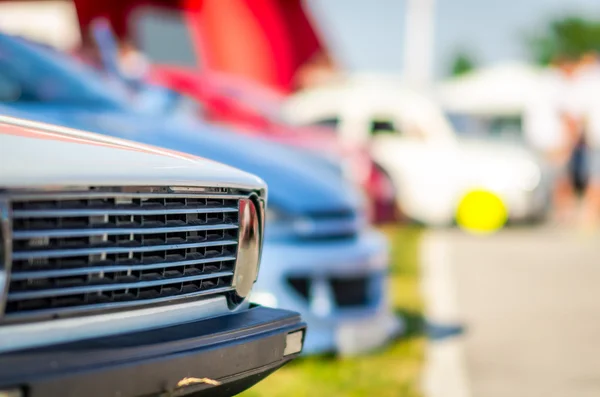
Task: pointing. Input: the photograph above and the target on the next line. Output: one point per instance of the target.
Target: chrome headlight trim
(5, 252)
(249, 248)
(531, 176)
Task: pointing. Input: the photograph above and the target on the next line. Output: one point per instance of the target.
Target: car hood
(299, 182)
(35, 154)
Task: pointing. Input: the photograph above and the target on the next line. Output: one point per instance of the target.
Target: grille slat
(121, 194)
(107, 248)
(52, 292)
(29, 234)
(18, 276)
(23, 315)
(18, 214)
(55, 253)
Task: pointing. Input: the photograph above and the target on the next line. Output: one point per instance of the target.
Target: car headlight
(248, 253)
(284, 225)
(279, 224)
(530, 176)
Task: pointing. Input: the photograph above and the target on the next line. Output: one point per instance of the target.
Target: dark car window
(487, 126)
(506, 126)
(383, 126)
(331, 122)
(163, 36)
(388, 126)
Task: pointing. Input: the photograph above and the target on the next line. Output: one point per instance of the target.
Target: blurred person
(589, 92)
(552, 121)
(590, 61)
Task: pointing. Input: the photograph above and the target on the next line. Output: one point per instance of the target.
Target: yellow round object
(481, 211)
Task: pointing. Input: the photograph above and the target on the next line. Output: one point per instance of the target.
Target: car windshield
(486, 126)
(45, 74)
(163, 36)
(49, 75)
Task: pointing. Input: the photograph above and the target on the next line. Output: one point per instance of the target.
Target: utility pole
(419, 43)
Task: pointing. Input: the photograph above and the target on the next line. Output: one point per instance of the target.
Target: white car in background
(411, 138)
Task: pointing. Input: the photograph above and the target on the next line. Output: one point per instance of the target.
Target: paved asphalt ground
(529, 301)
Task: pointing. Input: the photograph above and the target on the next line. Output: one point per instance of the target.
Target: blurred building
(50, 22)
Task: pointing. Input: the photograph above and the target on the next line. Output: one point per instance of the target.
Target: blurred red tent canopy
(266, 41)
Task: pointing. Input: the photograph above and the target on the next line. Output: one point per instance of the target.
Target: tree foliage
(463, 63)
(568, 37)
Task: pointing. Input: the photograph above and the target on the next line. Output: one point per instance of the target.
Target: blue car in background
(320, 257)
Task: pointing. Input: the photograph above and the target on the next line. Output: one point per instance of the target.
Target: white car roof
(498, 90)
(371, 95)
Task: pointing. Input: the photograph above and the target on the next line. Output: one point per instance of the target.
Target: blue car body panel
(75, 96)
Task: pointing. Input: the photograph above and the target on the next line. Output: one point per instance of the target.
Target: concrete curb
(445, 373)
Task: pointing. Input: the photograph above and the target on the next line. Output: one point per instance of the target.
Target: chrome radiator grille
(88, 250)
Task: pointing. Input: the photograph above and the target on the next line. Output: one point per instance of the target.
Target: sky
(368, 35)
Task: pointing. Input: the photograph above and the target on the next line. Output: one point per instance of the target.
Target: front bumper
(236, 350)
(527, 206)
(367, 256)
